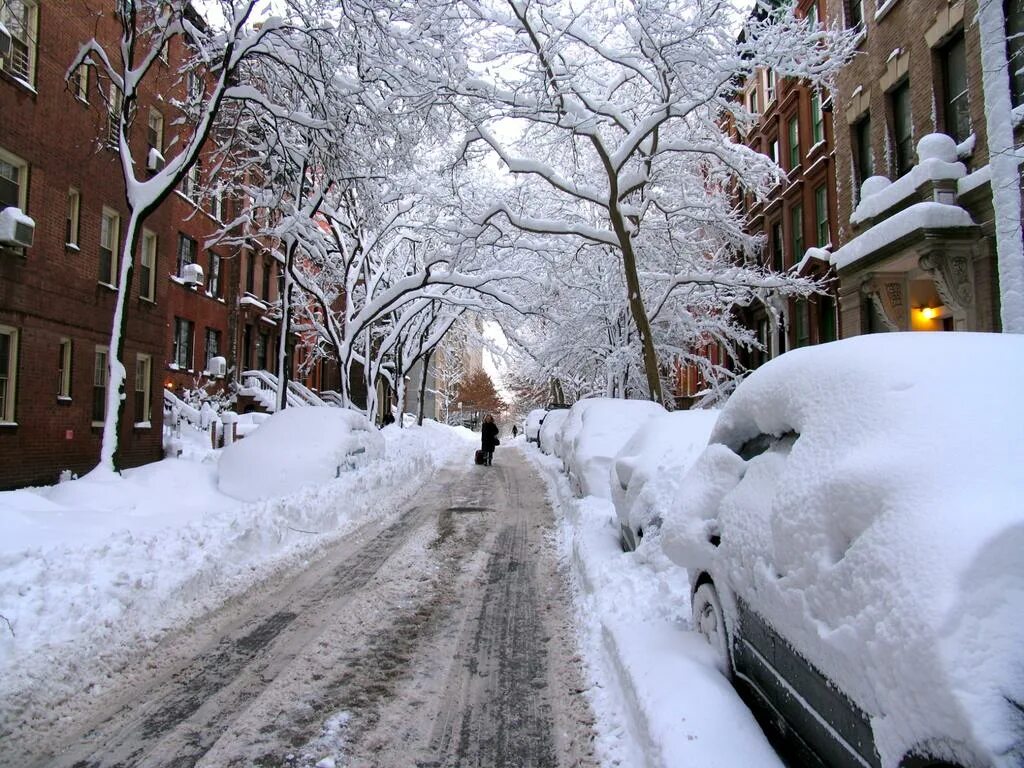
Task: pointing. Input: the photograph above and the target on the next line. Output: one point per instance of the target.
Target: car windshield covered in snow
(853, 535)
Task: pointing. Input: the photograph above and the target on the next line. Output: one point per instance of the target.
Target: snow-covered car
(533, 421)
(297, 447)
(549, 439)
(594, 431)
(853, 535)
(648, 469)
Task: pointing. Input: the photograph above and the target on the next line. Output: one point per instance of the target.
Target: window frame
(183, 324)
(80, 83)
(958, 106)
(9, 390)
(143, 368)
(793, 142)
(191, 256)
(147, 272)
(796, 233)
(817, 119)
(1015, 49)
(863, 162)
(115, 106)
(213, 281)
(112, 215)
(155, 132)
(30, 43)
(100, 381)
(72, 232)
(22, 168)
(902, 154)
(65, 356)
(821, 215)
(215, 334)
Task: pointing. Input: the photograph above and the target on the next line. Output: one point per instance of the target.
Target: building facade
(902, 262)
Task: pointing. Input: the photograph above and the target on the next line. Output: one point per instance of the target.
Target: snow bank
(322, 443)
(882, 538)
(95, 569)
(550, 436)
(657, 696)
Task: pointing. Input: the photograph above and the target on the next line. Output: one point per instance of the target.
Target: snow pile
(648, 470)
(881, 530)
(322, 444)
(658, 697)
(550, 436)
(93, 570)
(533, 422)
(594, 432)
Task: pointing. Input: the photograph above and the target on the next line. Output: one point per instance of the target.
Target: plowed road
(440, 638)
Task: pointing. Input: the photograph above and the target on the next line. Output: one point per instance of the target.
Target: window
(773, 150)
(110, 234)
(778, 250)
(155, 131)
(855, 14)
(195, 88)
(212, 345)
(902, 128)
(8, 372)
(794, 142)
(64, 369)
(143, 388)
(864, 159)
(1014, 10)
(752, 101)
(213, 278)
(797, 232)
(147, 266)
(114, 106)
(190, 184)
(13, 181)
(71, 228)
(821, 216)
(186, 253)
(80, 83)
(955, 105)
(769, 91)
(817, 119)
(826, 319)
(802, 323)
(182, 343)
(250, 273)
(267, 267)
(261, 351)
(21, 18)
(99, 385)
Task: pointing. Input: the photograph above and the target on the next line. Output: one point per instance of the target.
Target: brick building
(57, 294)
(919, 73)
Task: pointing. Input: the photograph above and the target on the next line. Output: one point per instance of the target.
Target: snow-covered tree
(611, 115)
(219, 70)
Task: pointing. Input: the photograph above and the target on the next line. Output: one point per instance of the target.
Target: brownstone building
(799, 219)
(919, 253)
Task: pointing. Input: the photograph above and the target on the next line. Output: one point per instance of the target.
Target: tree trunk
(110, 453)
(423, 386)
(1006, 197)
(286, 316)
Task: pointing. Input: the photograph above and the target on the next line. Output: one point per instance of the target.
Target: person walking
(515, 431)
(489, 438)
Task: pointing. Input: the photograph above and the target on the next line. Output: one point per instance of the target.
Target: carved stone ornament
(886, 296)
(953, 277)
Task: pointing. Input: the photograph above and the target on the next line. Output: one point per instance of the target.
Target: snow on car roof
(886, 541)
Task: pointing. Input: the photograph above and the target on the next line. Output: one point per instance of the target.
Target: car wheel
(709, 621)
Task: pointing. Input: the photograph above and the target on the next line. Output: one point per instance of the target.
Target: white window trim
(159, 146)
(82, 91)
(32, 44)
(22, 166)
(106, 375)
(76, 216)
(151, 288)
(147, 390)
(67, 355)
(7, 418)
(116, 245)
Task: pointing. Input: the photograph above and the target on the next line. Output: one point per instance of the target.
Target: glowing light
(929, 313)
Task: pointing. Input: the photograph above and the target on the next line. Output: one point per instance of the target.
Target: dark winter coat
(488, 436)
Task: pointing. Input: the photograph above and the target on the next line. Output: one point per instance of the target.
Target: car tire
(709, 621)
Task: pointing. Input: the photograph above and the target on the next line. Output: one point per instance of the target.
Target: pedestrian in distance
(489, 438)
(515, 431)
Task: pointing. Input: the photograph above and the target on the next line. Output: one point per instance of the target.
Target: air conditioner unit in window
(192, 274)
(16, 228)
(217, 366)
(155, 161)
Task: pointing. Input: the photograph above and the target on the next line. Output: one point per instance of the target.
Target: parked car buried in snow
(549, 439)
(853, 535)
(648, 469)
(533, 421)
